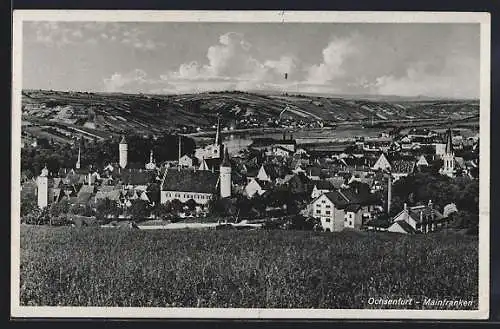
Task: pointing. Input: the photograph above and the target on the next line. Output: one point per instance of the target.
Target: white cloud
(456, 78)
(119, 82)
(231, 65)
(334, 56)
(352, 64)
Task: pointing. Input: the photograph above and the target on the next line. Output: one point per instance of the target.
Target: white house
(341, 209)
(255, 187)
(423, 219)
(422, 161)
(185, 161)
(262, 175)
(321, 187)
(382, 163)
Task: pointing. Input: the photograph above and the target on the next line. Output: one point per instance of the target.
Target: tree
(191, 204)
(176, 205)
(106, 208)
(139, 209)
(162, 210)
(28, 205)
(59, 208)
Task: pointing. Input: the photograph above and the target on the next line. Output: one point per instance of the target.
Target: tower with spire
(78, 162)
(225, 176)
(213, 150)
(217, 133)
(123, 152)
(151, 165)
(42, 183)
(448, 168)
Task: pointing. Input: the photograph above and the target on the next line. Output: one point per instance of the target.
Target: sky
(401, 59)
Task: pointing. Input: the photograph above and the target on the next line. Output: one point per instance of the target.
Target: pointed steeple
(449, 142)
(225, 161)
(45, 172)
(151, 156)
(123, 140)
(217, 134)
(203, 165)
(78, 163)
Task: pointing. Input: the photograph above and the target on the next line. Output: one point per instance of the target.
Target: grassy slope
(108, 267)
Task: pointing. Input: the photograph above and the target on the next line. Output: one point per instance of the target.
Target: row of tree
(420, 187)
(100, 153)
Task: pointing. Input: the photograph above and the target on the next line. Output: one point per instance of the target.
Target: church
(200, 185)
(451, 163)
(211, 151)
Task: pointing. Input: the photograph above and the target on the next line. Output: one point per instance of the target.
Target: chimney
(405, 207)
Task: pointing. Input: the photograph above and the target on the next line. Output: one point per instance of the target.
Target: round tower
(123, 149)
(42, 183)
(225, 176)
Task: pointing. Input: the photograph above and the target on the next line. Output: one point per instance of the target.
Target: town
(417, 182)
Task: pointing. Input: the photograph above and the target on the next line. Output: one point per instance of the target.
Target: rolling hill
(63, 116)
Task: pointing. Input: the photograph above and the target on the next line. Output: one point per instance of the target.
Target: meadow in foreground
(266, 269)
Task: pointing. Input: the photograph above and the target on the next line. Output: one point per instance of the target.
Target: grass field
(269, 269)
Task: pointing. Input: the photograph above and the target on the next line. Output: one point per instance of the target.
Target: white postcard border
(481, 18)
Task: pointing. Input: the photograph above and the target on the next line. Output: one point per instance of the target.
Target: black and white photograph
(225, 164)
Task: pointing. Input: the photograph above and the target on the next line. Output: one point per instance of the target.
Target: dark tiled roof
(324, 185)
(84, 194)
(406, 227)
(200, 181)
(28, 188)
(344, 197)
(337, 182)
(353, 207)
(426, 213)
(136, 176)
(112, 195)
(402, 166)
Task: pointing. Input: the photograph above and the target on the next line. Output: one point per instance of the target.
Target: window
(327, 212)
(327, 206)
(328, 220)
(323, 201)
(318, 211)
(350, 223)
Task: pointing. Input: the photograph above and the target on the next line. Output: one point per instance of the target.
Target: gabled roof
(426, 211)
(323, 185)
(405, 226)
(113, 194)
(342, 198)
(353, 207)
(84, 194)
(337, 181)
(402, 166)
(136, 176)
(189, 181)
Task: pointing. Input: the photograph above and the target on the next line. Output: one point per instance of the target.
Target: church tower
(123, 149)
(217, 134)
(225, 176)
(151, 165)
(78, 162)
(448, 156)
(42, 183)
